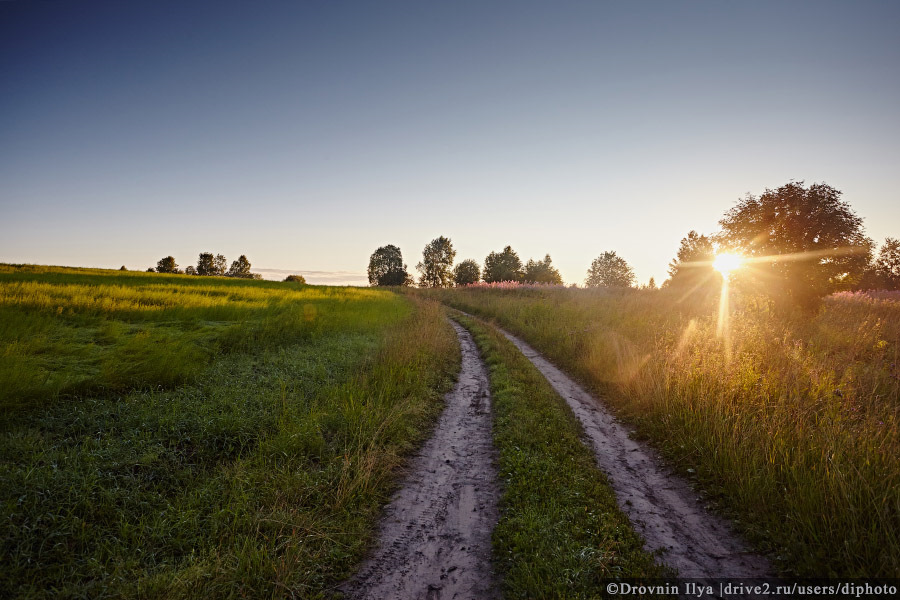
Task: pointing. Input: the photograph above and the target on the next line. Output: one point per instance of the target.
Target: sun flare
(726, 263)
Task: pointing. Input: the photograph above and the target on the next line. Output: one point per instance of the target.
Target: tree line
(214, 266)
(436, 269)
(208, 265)
(799, 243)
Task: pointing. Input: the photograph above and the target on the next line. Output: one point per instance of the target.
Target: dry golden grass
(794, 431)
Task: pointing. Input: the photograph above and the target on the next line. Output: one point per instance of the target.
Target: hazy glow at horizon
(307, 135)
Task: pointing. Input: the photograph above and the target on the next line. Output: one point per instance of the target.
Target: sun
(726, 263)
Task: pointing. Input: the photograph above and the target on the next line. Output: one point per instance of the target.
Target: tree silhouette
(805, 241)
(437, 263)
(692, 265)
(466, 272)
(502, 266)
(240, 268)
(542, 271)
(295, 279)
(166, 265)
(609, 270)
(887, 265)
(691, 271)
(386, 267)
(122, 268)
(205, 264)
(209, 265)
(219, 265)
(190, 270)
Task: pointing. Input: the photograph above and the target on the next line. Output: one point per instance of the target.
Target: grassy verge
(262, 477)
(795, 433)
(561, 533)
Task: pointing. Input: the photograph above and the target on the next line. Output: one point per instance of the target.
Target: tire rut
(661, 505)
(435, 537)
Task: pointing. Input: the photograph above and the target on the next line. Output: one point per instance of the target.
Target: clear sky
(307, 134)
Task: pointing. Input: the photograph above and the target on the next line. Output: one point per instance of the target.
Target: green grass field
(175, 436)
(794, 432)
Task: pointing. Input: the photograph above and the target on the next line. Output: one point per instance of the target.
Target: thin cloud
(317, 277)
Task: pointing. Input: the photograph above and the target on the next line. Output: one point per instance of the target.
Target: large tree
(803, 242)
(609, 270)
(386, 267)
(542, 271)
(466, 272)
(502, 266)
(219, 264)
(166, 265)
(209, 265)
(240, 268)
(436, 268)
(205, 264)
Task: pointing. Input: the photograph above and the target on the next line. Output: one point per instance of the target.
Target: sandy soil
(661, 505)
(435, 538)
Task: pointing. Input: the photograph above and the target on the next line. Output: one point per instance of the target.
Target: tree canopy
(166, 265)
(436, 268)
(466, 272)
(295, 279)
(691, 271)
(386, 267)
(542, 271)
(692, 264)
(609, 270)
(240, 268)
(205, 264)
(805, 241)
(887, 265)
(219, 264)
(502, 266)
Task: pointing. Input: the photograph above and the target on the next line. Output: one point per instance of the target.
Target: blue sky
(307, 134)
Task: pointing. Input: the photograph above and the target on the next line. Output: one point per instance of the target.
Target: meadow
(177, 436)
(790, 428)
(174, 436)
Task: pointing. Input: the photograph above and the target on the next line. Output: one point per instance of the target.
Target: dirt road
(661, 505)
(435, 538)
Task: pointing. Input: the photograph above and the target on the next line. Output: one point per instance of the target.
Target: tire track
(435, 537)
(661, 505)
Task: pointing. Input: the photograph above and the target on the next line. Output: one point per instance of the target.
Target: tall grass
(261, 477)
(794, 432)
